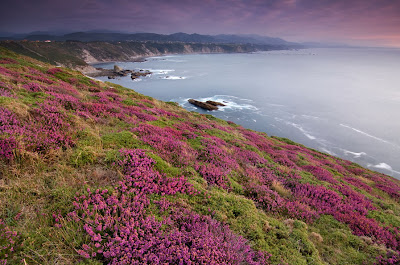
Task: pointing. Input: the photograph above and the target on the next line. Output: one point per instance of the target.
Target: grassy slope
(62, 133)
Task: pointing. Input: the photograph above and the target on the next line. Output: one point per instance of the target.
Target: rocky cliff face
(78, 55)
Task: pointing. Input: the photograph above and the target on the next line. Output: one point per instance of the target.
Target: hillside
(153, 37)
(78, 55)
(94, 173)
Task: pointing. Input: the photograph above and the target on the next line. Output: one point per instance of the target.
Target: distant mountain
(98, 35)
(253, 39)
(35, 35)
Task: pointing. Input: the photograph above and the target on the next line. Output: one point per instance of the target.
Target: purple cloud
(360, 21)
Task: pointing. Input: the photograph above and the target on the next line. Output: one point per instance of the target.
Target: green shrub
(83, 156)
(124, 139)
(129, 102)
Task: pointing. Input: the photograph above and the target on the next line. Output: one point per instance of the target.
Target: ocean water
(345, 102)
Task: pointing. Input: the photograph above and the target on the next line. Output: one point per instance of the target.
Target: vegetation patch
(95, 173)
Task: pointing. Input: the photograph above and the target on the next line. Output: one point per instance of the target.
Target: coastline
(305, 130)
(99, 71)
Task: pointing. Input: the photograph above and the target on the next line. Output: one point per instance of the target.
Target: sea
(341, 101)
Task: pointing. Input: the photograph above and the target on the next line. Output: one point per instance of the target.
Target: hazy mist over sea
(344, 102)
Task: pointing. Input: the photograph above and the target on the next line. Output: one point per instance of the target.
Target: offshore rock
(135, 75)
(203, 105)
(215, 103)
(117, 69)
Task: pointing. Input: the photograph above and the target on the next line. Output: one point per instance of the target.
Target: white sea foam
(306, 133)
(175, 60)
(163, 57)
(356, 155)
(310, 117)
(173, 77)
(230, 98)
(232, 102)
(327, 151)
(367, 134)
(161, 71)
(274, 105)
(384, 166)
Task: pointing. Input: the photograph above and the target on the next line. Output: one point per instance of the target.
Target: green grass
(340, 246)
(32, 98)
(83, 156)
(129, 102)
(123, 139)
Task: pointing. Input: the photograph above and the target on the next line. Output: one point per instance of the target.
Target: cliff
(94, 173)
(78, 55)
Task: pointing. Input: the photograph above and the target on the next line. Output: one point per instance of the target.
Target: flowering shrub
(167, 143)
(7, 147)
(6, 72)
(9, 124)
(321, 173)
(48, 130)
(269, 200)
(8, 61)
(8, 242)
(286, 159)
(161, 112)
(53, 71)
(121, 232)
(39, 76)
(213, 174)
(6, 93)
(390, 259)
(392, 189)
(6, 90)
(358, 183)
(32, 87)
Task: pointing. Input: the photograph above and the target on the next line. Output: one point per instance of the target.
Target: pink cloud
(298, 20)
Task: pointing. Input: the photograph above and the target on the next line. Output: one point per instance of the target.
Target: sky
(355, 22)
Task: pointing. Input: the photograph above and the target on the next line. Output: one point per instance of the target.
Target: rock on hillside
(94, 173)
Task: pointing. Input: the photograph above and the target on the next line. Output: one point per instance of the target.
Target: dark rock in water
(123, 72)
(117, 69)
(119, 72)
(202, 105)
(135, 75)
(215, 103)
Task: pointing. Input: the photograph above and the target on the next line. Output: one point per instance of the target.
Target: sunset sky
(359, 22)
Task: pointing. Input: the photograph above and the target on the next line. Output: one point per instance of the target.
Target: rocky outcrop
(215, 103)
(117, 72)
(117, 69)
(142, 72)
(208, 105)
